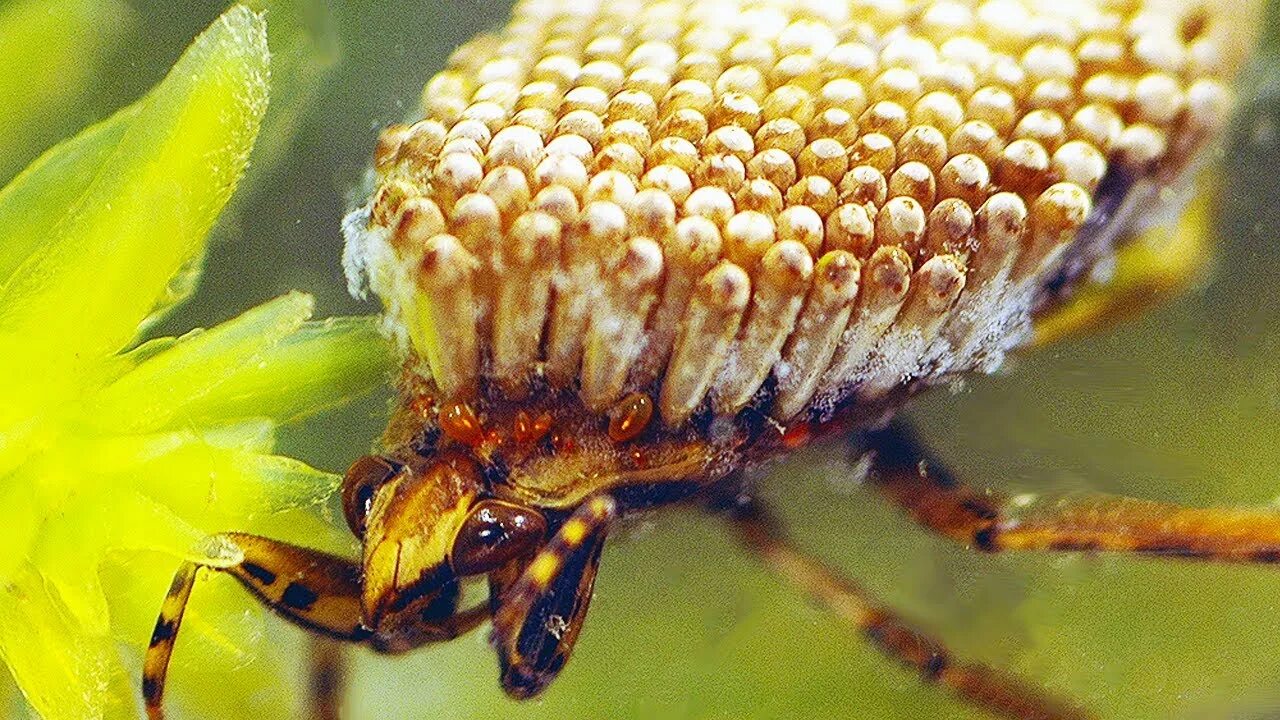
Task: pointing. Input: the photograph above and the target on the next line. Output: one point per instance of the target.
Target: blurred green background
(1183, 405)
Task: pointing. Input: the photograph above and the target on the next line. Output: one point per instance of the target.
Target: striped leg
(979, 685)
(155, 667)
(538, 618)
(317, 591)
(1094, 523)
(328, 681)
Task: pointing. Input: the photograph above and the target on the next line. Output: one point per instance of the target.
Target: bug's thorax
(546, 449)
(469, 488)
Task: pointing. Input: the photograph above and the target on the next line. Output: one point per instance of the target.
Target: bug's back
(737, 202)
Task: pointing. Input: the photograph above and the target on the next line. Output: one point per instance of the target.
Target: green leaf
(51, 54)
(108, 250)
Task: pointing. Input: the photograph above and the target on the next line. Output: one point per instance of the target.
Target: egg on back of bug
(781, 205)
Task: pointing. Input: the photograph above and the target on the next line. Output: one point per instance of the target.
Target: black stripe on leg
(917, 651)
(177, 584)
(299, 597)
(932, 669)
(984, 539)
(259, 573)
(151, 690)
(164, 632)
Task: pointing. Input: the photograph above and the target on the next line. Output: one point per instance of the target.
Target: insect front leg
(984, 687)
(539, 616)
(315, 590)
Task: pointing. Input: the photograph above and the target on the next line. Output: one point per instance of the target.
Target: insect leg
(539, 617)
(328, 678)
(1094, 523)
(315, 590)
(504, 578)
(984, 687)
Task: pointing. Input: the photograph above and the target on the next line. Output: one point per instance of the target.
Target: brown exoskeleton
(642, 249)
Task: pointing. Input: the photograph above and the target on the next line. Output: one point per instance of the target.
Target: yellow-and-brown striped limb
(538, 619)
(1089, 523)
(155, 666)
(315, 590)
(983, 687)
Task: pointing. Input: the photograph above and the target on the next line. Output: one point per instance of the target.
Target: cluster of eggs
(691, 198)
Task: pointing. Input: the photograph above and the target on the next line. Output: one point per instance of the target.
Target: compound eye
(362, 481)
(493, 534)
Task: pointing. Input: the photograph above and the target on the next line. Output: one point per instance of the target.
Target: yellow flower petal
(325, 363)
(304, 51)
(41, 192)
(99, 463)
(64, 671)
(107, 254)
(156, 393)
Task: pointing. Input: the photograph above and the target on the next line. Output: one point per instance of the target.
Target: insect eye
(494, 533)
(363, 479)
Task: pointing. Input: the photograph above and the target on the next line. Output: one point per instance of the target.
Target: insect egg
(459, 421)
(594, 210)
(630, 417)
